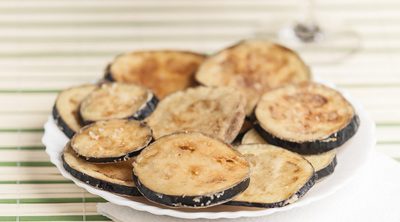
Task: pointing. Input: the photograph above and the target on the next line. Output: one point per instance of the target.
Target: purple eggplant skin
(112, 159)
(328, 170)
(62, 125)
(101, 184)
(147, 110)
(141, 114)
(313, 147)
(191, 201)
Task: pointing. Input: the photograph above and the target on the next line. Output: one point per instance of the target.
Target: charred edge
(101, 184)
(146, 110)
(328, 170)
(112, 159)
(80, 117)
(317, 146)
(62, 125)
(300, 193)
(238, 139)
(251, 118)
(191, 201)
(141, 114)
(108, 75)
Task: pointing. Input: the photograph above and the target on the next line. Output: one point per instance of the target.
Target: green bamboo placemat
(47, 45)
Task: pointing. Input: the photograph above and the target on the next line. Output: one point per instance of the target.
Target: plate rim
(50, 128)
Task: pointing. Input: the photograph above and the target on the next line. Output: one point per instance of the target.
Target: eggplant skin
(313, 147)
(300, 193)
(108, 75)
(62, 125)
(141, 114)
(328, 170)
(150, 106)
(112, 159)
(101, 184)
(191, 201)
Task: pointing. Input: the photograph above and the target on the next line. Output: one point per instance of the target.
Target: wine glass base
(324, 46)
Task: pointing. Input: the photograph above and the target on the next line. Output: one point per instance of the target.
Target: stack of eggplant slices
(245, 126)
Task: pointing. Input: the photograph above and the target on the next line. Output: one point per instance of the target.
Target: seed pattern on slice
(308, 118)
(66, 108)
(113, 177)
(192, 170)
(278, 177)
(214, 111)
(117, 100)
(163, 72)
(253, 67)
(324, 164)
(111, 140)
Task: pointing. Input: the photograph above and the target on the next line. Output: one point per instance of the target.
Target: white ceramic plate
(351, 157)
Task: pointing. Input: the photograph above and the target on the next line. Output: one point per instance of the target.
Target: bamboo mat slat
(48, 45)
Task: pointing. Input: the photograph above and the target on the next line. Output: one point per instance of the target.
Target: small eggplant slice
(66, 108)
(324, 163)
(111, 140)
(192, 170)
(214, 111)
(117, 101)
(163, 72)
(278, 177)
(112, 177)
(307, 118)
(253, 67)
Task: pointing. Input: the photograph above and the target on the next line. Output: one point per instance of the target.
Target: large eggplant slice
(307, 118)
(113, 177)
(190, 170)
(278, 177)
(117, 100)
(324, 163)
(111, 140)
(163, 72)
(214, 111)
(66, 108)
(253, 67)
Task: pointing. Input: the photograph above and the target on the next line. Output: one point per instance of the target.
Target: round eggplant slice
(66, 108)
(117, 101)
(214, 111)
(278, 177)
(111, 140)
(192, 170)
(113, 177)
(253, 67)
(307, 118)
(163, 72)
(324, 163)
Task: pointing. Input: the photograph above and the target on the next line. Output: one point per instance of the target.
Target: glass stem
(308, 29)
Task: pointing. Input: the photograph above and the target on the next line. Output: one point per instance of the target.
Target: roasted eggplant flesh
(66, 108)
(164, 72)
(324, 164)
(111, 140)
(278, 176)
(113, 177)
(253, 67)
(215, 111)
(190, 169)
(308, 118)
(115, 101)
